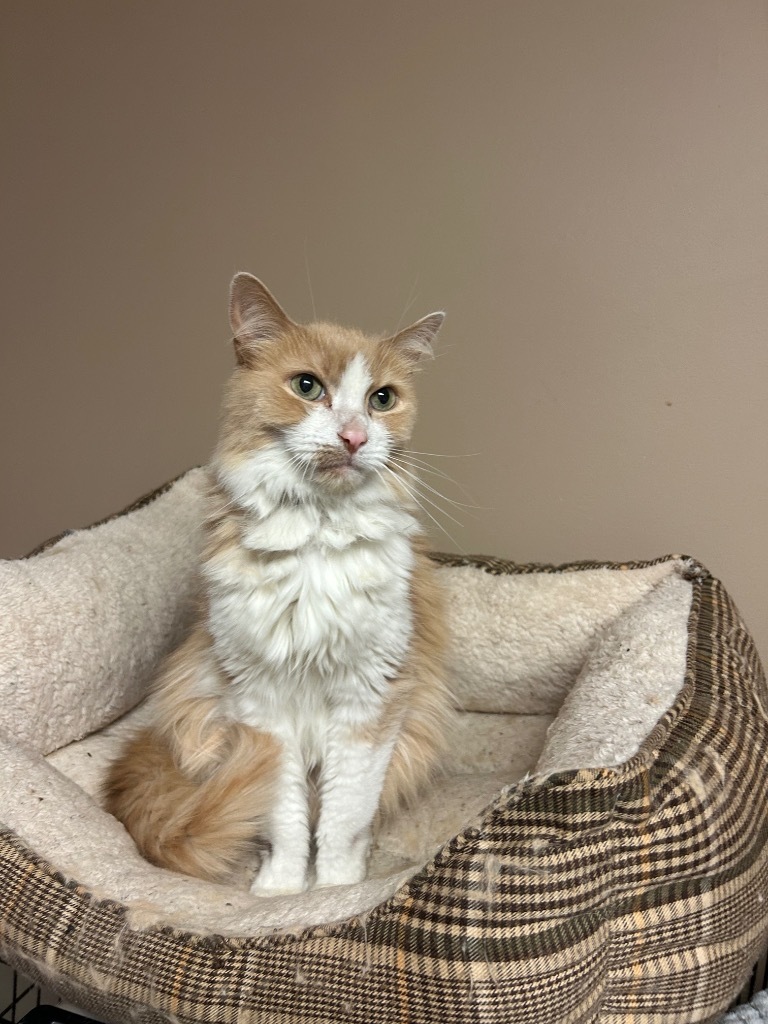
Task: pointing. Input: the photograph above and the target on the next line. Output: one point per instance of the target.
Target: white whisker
(429, 501)
(426, 511)
(421, 464)
(439, 455)
(422, 484)
(409, 302)
(309, 279)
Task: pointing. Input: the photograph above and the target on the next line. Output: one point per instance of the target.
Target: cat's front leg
(351, 781)
(284, 867)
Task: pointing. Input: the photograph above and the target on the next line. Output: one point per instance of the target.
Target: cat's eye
(306, 385)
(383, 399)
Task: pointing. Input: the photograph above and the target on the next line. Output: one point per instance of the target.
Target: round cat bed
(594, 850)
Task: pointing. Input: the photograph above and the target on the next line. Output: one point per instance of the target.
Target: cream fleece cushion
(551, 670)
(85, 623)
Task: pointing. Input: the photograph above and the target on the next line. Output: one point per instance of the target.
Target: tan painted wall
(583, 184)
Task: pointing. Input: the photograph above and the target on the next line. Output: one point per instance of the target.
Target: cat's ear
(416, 342)
(254, 315)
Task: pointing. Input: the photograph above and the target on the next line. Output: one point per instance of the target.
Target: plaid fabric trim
(634, 895)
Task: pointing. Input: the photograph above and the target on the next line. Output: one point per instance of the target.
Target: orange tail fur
(202, 828)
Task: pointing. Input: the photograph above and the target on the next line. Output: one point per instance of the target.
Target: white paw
(276, 879)
(276, 889)
(340, 870)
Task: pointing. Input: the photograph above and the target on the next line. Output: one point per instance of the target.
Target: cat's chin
(342, 477)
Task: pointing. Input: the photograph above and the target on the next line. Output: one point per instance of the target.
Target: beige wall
(582, 184)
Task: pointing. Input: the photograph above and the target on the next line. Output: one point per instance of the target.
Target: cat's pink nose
(353, 438)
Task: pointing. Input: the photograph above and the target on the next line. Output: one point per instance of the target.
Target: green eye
(306, 385)
(383, 399)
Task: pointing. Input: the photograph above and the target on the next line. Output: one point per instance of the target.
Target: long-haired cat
(310, 692)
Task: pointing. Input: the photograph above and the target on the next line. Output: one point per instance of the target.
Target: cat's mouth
(341, 466)
(337, 465)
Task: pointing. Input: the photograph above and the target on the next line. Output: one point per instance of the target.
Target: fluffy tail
(204, 828)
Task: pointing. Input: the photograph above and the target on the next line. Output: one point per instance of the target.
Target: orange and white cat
(310, 692)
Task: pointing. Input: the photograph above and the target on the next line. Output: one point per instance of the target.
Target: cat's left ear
(255, 316)
(416, 342)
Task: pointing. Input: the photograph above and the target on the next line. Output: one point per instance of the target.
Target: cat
(310, 694)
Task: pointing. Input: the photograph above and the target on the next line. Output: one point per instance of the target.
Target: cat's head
(316, 406)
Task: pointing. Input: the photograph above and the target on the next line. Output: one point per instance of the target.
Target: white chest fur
(311, 613)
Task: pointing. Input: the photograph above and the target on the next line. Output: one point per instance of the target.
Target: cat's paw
(277, 880)
(340, 871)
(260, 889)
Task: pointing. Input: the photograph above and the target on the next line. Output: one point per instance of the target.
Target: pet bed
(594, 851)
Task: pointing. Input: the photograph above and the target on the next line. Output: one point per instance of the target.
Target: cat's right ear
(255, 316)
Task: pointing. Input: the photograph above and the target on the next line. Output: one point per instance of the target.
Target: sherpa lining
(85, 622)
(552, 671)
